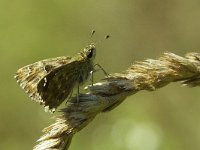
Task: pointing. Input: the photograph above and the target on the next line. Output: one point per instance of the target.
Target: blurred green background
(32, 30)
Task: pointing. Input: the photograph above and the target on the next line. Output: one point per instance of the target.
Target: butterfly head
(90, 51)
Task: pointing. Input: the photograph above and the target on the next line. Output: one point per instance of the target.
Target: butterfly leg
(100, 68)
(78, 93)
(70, 96)
(94, 70)
(92, 76)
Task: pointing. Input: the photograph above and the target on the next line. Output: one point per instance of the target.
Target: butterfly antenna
(91, 36)
(90, 39)
(93, 32)
(105, 38)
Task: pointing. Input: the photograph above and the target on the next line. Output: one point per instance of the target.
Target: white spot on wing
(45, 82)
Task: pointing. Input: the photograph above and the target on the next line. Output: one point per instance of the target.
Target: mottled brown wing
(29, 76)
(58, 84)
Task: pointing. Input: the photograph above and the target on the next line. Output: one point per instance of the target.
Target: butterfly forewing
(29, 76)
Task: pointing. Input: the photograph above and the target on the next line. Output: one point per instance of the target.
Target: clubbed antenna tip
(107, 36)
(93, 32)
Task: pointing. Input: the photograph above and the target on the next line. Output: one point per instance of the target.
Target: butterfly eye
(90, 53)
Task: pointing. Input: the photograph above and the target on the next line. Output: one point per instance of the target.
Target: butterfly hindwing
(58, 84)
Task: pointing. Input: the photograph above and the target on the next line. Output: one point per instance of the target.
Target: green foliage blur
(32, 30)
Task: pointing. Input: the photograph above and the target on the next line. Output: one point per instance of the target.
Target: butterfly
(51, 81)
